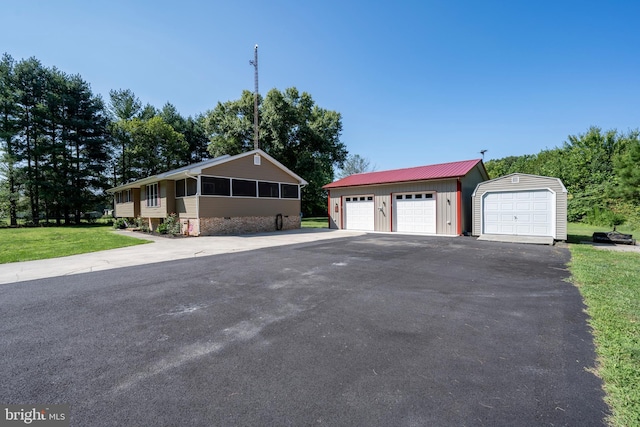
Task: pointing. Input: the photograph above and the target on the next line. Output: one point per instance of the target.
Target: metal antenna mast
(254, 62)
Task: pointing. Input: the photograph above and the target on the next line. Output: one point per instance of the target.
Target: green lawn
(25, 244)
(315, 222)
(610, 285)
(579, 232)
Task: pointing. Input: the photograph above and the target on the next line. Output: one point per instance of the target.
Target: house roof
(196, 169)
(420, 173)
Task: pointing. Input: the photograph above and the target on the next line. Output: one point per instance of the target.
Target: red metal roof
(420, 173)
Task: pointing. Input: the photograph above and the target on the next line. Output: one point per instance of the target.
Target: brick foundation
(245, 224)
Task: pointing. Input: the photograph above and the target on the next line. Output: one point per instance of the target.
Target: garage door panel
(359, 214)
(528, 212)
(415, 213)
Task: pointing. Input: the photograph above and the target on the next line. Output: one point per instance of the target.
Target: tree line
(600, 170)
(62, 146)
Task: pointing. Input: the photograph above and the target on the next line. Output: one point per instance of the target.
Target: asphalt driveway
(375, 330)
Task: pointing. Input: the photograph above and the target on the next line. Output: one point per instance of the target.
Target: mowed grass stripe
(27, 244)
(610, 285)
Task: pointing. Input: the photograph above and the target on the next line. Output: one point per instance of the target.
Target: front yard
(32, 243)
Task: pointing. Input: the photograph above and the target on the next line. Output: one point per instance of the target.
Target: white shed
(520, 207)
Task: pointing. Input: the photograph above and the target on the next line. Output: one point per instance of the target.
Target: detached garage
(432, 199)
(520, 206)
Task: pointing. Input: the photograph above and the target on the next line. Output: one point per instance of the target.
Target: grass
(578, 232)
(315, 222)
(610, 285)
(26, 244)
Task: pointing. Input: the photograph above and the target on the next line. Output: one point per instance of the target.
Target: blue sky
(416, 82)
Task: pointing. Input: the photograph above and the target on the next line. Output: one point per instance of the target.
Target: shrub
(92, 217)
(142, 225)
(162, 228)
(173, 224)
(120, 224)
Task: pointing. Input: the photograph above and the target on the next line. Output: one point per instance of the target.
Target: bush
(142, 225)
(162, 228)
(603, 217)
(120, 224)
(92, 217)
(172, 223)
(630, 211)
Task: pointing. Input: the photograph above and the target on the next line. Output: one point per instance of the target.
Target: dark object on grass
(613, 237)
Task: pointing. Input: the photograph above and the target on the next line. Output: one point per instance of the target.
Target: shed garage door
(415, 213)
(358, 213)
(526, 213)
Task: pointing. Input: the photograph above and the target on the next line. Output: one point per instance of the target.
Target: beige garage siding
(445, 194)
(524, 182)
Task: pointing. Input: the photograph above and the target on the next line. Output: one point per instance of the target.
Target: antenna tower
(254, 62)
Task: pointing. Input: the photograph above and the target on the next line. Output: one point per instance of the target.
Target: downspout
(459, 207)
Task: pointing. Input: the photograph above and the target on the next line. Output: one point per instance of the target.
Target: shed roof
(530, 176)
(419, 173)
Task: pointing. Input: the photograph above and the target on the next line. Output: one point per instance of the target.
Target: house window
(152, 196)
(123, 196)
(215, 186)
(192, 186)
(268, 189)
(289, 191)
(244, 188)
(180, 188)
(186, 187)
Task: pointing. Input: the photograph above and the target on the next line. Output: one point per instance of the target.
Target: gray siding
(244, 168)
(526, 182)
(445, 194)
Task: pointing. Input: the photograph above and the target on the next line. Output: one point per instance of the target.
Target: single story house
(520, 205)
(434, 199)
(248, 192)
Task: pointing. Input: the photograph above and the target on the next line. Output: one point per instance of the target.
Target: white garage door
(527, 213)
(415, 213)
(358, 213)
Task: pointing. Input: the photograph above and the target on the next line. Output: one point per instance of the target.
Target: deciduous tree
(293, 129)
